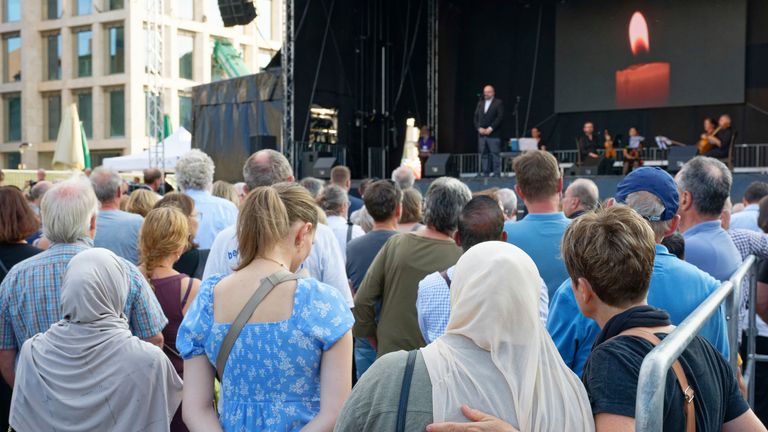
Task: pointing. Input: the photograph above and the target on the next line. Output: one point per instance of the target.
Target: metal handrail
(651, 383)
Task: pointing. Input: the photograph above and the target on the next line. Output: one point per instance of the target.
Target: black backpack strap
(202, 259)
(3, 270)
(405, 391)
(350, 225)
(444, 274)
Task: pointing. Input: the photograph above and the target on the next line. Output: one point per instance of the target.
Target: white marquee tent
(176, 146)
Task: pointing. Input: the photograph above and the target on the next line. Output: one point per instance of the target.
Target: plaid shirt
(29, 297)
(749, 243)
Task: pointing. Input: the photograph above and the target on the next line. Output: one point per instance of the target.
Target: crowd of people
(283, 304)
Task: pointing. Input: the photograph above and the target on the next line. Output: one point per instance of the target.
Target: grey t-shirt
(118, 231)
(372, 406)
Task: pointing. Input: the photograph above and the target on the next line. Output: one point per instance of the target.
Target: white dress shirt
(487, 104)
(340, 227)
(214, 215)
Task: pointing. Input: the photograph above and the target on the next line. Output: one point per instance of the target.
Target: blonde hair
(141, 202)
(266, 218)
(226, 191)
(164, 232)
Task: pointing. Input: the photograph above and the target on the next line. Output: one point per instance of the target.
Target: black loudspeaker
(263, 142)
(588, 167)
(679, 155)
(438, 165)
(308, 160)
(236, 12)
(323, 166)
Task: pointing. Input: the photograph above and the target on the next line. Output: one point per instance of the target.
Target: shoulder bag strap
(444, 274)
(405, 391)
(677, 368)
(186, 293)
(3, 269)
(267, 284)
(350, 225)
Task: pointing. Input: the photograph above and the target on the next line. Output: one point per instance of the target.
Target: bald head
(489, 92)
(265, 168)
(581, 195)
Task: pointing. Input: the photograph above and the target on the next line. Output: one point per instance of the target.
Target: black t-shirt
(192, 263)
(361, 252)
(14, 253)
(611, 372)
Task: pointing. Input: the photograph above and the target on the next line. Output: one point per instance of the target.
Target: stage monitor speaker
(438, 165)
(236, 12)
(323, 166)
(308, 160)
(588, 167)
(263, 142)
(679, 155)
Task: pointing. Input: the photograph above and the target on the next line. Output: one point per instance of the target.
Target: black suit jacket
(492, 118)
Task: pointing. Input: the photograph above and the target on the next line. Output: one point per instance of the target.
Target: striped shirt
(29, 297)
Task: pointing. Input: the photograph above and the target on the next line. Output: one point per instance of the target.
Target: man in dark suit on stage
(488, 116)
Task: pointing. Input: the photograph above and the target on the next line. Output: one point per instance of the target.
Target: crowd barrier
(649, 405)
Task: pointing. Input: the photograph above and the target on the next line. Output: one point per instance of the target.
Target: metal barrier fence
(651, 384)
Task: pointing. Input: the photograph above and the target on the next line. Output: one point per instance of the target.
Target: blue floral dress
(272, 378)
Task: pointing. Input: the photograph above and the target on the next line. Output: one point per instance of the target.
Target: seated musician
(720, 139)
(536, 134)
(609, 156)
(587, 143)
(632, 157)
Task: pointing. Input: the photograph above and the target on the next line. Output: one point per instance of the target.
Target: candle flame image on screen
(638, 34)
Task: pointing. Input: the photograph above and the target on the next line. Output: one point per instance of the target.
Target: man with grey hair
(313, 185)
(194, 174)
(335, 203)
(29, 295)
(508, 200)
(652, 193)
(580, 197)
(393, 277)
(704, 185)
(403, 177)
(116, 230)
(324, 263)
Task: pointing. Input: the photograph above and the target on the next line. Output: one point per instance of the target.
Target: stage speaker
(236, 12)
(679, 155)
(323, 166)
(263, 142)
(588, 167)
(308, 160)
(438, 165)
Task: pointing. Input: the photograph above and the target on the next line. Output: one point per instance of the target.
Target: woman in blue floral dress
(290, 368)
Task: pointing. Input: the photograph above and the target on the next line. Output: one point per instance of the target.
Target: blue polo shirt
(676, 286)
(747, 219)
(539, 235)
(709, 247)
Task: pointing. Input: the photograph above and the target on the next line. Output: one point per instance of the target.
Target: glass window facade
(52, 116)
(12, 58)
(13, 117)
(184, 9)
(116, 4)
(116, 113)
(84, 53)
(51, 9)
(185, 47)
(116, 49)
(185, 112)
(52, 56)
(12, 160)
(85, 111)
(11, 10)
(84, 7)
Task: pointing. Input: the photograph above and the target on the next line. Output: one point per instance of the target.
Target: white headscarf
(496, 355)
(87, 372)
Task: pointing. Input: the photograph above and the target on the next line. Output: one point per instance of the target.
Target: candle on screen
(642, 84)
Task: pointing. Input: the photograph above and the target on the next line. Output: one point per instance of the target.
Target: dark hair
(363, 186)
(481, 220)
(675, 244)
(762, 217)
(17, 219)
(381, 199)
(708, 181)
(755, 192)
(151, 175)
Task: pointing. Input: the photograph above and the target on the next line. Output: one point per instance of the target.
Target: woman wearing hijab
(495, 356)
(87, 372)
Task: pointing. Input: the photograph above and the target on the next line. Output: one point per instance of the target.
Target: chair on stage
(728, 160)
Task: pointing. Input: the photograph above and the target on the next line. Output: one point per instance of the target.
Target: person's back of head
(17, 219)
(152, 176)
(675, 244)
(164, 233)
(755, 192)
(508, 199)
(382, 199)
(106, 184)
(67, 210)
(341, 176)
(762, 217)
(612, 252)
(225, 190)
(650, 208)
(185, 205)
(363, 185)
(538, 176)
(334, 201)
(445, 198)
(403, 177)
(707, 183)
(412, 206)
(265, 168)
(313, 185)
(38, 190)
(140, 202)
(481, 220)
(194, 171)
(586, 191)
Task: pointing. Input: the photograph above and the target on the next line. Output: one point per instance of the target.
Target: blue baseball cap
(653, 180)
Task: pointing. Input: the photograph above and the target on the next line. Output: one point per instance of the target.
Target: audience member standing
(29, 295)
(226, 191)
(652, 193)
(192, 261)
(620, 239)
(342, 177)
(508, 200)
(335, 203)
(313, 185)
(393, 278)
(194, 174)
(87, 372)
(495, 354)
(153, 180)
(580, 197)
(383, 198)
(325, 263)
(141, 201)
(403, 177)
(116, 230)
(747, 218)
(36, 194)
(539, 185)
(291, 365)
(704, 184)
(412, 215)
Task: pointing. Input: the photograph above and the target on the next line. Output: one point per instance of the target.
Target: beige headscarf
(87, 372)
(496, 355)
